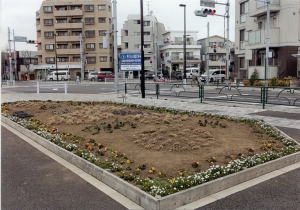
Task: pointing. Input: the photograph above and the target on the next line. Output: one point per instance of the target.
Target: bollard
(7, 82)
(38, 88)
(65, 88)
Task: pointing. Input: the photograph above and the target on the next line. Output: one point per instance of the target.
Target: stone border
(145, 200)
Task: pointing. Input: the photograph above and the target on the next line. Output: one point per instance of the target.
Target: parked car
(214, 75)
(176, 75)
(60, 75)
(190, 72)
(105, 75)
(93, 76)
(149, 75)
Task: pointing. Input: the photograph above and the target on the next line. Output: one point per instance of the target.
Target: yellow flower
(128, 161)
(153, 169)
(150, 172)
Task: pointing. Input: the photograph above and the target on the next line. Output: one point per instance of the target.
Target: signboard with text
(130, 62)
(207, 3)
(20, 39)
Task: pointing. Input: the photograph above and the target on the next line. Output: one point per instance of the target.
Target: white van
(214, 75)
(192, 71)
(62, 75)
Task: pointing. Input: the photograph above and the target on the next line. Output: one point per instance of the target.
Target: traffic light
(215, 48)
(32, 42)
(204, 12)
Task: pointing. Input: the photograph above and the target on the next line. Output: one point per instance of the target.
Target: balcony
(38, 27)
(68, 25)
(257, 39)
(37, 15)
(67, 38)
(262, 10)
(76, 12)
(67, 51)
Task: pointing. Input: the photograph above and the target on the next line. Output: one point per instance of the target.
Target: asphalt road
(32, 180)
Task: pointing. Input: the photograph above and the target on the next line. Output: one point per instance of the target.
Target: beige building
(250, 34)
(131, 39)
(217, 60)
(59, 25)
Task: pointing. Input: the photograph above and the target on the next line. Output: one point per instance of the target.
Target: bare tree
(26, 55)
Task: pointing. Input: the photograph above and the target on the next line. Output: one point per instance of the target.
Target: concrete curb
(145, 200)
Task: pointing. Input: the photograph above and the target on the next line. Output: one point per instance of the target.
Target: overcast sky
(20, 16)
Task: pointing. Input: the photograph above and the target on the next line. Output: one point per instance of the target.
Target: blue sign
(130, 62)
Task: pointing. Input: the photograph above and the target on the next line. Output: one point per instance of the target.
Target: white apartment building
(217, 60)
(59, 25)
(131, 39)
(173, 50)
(250, 33)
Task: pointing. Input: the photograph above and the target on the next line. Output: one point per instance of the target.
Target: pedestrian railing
(233, 93)
(44, 85)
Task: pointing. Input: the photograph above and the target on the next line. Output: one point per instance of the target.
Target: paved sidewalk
(287, 119)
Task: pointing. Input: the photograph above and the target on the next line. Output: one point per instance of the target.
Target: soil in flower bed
(148, 143)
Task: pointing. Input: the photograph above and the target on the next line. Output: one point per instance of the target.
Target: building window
(63, 59)
(76, 59)
(110, 59)
(89, 33)
(61, 20)
(101, 7)
(76, 46)
(76, 33)
(48, 34)
(146, 23)
(109, 21)
(101, 19)
(102, 33)
(62, 33)
(76, 20)
(110, 46)
(49, 47)
(89, 8)
(90, 46)
(137, 34)
(242, 62)
(47, 8)
(48, 22)
(244, 11)
(137, 22)
(91, 60)
(147, 46)
(243, 39)
(147, 33)
(137, 46)
(100, 45)
(103, 58)
(62, 46)
(212, 57)
(49, 60)
(89, 20)
(109, 8)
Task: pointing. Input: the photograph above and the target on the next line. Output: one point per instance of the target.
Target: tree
(26, 55)
(254, 77)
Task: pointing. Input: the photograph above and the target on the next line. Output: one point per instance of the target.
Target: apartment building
(60, 24)
(250, 33)
(217, 60)
(131, 39)
(172, 52)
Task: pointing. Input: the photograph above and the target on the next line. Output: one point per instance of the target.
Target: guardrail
(51, 85)
(230, 92)
(8, 83)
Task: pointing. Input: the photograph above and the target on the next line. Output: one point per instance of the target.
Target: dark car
(176, 75)
(149, 74)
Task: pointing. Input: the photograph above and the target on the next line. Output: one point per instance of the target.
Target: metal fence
(233, 93)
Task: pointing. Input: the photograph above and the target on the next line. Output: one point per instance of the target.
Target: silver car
(93, 76)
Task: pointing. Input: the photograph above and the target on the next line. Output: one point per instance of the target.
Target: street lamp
(55, 56)
(184, 46)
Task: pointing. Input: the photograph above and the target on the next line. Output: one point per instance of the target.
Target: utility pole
(267, 42)
(9, 51)
(207, 53)
(116, 70)
(15, 56)
(227, 43)
(81, 57)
